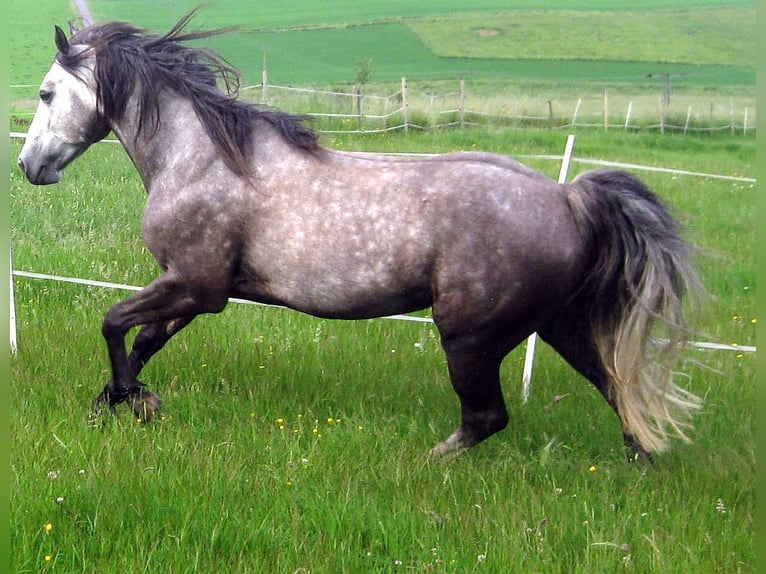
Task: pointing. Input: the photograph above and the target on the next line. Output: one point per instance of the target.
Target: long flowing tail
(641, 274)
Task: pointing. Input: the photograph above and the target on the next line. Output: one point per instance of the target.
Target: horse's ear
(73, 29)
(61, 41)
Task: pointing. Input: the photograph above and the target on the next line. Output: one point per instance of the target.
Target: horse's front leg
(150, 339)
(164, 308)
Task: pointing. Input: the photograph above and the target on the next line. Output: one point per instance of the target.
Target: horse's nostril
(20, 163)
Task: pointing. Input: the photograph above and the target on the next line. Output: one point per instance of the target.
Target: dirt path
(84, 11)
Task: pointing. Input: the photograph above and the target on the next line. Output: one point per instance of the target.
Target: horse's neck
(181, 140)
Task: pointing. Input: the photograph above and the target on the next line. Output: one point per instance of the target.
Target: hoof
(639, 456)
(451, 448)
(145, 405)
(438, 454)
(635, 452)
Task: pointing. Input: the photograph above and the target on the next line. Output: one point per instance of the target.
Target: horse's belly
(336, 295)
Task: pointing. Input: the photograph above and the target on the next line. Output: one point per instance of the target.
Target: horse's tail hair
(641, 274)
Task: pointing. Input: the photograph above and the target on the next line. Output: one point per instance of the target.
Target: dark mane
(130, 58)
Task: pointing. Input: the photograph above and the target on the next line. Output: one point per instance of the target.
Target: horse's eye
(46, 96)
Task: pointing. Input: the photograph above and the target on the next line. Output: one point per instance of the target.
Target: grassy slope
(273, 14)
(327, 55)
(31, 38)
(330, 55)
(659, 36)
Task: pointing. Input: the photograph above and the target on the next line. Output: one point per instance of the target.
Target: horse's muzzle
(44, 174)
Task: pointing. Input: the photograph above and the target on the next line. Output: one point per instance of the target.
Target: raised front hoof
(145, 405)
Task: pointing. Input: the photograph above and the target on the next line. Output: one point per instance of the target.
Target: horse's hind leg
(474, 371)
(571, 338)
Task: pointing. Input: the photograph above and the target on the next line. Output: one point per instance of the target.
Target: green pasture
(275, 14)
(322, 43)
(293, 444)
(290, 444)
(30, 39)
(669, 36)
(331, 55)
(435, 40)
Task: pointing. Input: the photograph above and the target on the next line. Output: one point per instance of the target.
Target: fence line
(703, 345)
(408, 107)
(419, 104)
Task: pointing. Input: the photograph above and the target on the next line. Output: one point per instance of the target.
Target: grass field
(295, 444)
(427, 41)
(322, 43)
(670, 36)
(271, 14)
(290, 444)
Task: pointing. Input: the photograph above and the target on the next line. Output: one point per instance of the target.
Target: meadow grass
(294, 444)
(396, 49)
(271, 14)
(648, 36)
(321, 44)
(30, 39)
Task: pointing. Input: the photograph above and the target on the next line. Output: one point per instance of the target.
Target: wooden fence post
(462, 103)
(358, 97)
(606, 110)
(405, 105)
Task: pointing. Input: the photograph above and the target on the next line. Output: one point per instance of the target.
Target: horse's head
(67, 120)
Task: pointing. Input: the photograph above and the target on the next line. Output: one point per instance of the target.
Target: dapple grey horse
(244, 202)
